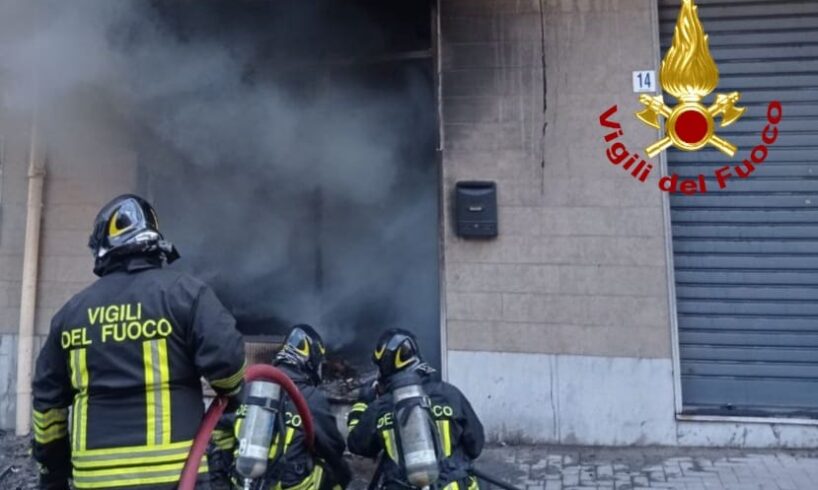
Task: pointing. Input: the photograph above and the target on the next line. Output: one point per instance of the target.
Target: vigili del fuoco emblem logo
(689, 73)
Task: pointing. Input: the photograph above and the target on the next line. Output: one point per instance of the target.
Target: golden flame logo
(689, 73)
(688, 70)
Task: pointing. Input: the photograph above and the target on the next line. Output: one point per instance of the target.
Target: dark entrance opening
(295, 167)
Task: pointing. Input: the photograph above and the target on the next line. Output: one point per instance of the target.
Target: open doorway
(295, 167)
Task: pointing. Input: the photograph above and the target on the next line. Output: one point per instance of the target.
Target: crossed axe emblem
(690, 125)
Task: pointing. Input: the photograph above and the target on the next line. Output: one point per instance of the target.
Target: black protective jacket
(127, 354)
(295, 464)
(372, 430)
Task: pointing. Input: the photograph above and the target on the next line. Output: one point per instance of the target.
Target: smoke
(302, 191)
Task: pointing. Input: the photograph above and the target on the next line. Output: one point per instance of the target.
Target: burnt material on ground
(343, 379)
(17, 469)
(343, 382)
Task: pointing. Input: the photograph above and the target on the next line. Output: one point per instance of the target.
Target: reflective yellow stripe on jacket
(457, 486)
(79, 381)
(288, 439)
(311, 482)
(50, 425)
(157, 392)
(156, 462)
(444, 429)
(390, 444)
(229, 383)
(223, 439)
(128, 466)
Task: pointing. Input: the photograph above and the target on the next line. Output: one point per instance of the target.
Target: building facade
(567, 327)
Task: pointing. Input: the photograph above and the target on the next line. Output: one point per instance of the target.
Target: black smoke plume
(290, 155)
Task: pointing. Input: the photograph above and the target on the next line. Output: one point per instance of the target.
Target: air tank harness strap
(265, 403)
(404, 407)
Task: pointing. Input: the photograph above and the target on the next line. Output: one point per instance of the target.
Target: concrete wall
(14, 133)
(13, 196)
(87, 167)
(598, 400)
(559, 330)
(579, 267)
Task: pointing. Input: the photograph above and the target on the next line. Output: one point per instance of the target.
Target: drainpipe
(28, 299)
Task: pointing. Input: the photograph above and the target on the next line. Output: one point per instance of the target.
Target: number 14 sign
(644, 81)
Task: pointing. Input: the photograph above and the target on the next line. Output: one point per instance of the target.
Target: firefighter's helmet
(128, 226)
(305, 349)
(396, 351)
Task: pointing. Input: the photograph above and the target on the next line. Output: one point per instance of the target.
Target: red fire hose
(255, 372)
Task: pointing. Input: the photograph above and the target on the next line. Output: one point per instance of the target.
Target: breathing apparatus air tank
(415, 427)
(257, 429)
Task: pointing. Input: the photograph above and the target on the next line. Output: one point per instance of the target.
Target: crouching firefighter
(263, 445)
(424, 429)
(127, 355)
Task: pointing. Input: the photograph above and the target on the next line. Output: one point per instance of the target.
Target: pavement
(586, 468)
(574, 468)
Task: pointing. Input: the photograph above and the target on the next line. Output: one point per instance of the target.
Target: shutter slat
(775, 154)
(749, 25)
(720, 322)
(751, 339)
(757, 261)
(776, 68)
(770, 171)
(710, 12)
(782, 397)
(725, 199)
(756, 232)
(738, 217)
(703, 246)
(751, 354)
(747, 292)
(752, 184)
(747, 277)
(751, 370)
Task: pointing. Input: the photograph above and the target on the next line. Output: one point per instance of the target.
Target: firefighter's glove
(355, 414)
(369, 393)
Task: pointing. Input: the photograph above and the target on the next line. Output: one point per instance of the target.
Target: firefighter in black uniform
(127, 355)
(372, 423)
(290, 466)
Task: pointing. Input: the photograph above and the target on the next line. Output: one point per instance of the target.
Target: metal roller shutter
(746, 257)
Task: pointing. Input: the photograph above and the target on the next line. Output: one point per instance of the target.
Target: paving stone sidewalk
(573, 468)
(562, 468)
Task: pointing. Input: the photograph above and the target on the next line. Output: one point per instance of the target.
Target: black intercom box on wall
(476, 209)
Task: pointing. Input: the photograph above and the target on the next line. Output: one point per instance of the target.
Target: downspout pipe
(28, 297)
